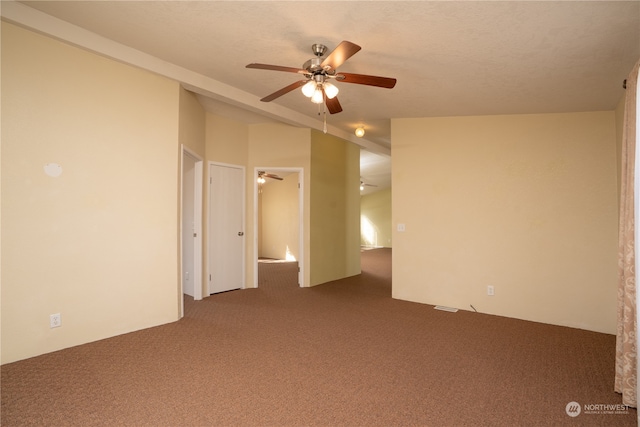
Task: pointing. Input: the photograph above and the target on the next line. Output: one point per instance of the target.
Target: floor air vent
(443, 308)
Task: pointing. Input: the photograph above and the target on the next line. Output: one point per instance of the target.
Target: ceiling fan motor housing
(313, 65)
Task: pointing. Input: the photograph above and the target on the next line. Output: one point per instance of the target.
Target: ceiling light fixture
(308, 88)
(317, 97)
(317, 89)
(330, 90)
(360, 131)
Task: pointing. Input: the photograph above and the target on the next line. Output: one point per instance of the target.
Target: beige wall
(98, 243)
(335, 208)
(375, 219)
(525, 203)
(192, 125)
(279, 219)
(227, 141)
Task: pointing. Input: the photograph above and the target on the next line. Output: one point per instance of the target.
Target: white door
(226, 227)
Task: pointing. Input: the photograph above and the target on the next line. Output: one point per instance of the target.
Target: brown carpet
(339, 354)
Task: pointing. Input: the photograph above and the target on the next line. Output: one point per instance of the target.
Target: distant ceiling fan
(318, 71)
(364, 184)
(262, 175)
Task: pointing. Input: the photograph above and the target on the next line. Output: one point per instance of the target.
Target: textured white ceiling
(451, 58)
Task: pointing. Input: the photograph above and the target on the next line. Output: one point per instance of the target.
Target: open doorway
(191, 227)
(278, 224)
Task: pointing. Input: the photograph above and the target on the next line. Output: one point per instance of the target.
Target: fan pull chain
(322, 110)
(323, 106)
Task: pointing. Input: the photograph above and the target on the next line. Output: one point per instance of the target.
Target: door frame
(197, 224)
(301, 265)
(243, 221)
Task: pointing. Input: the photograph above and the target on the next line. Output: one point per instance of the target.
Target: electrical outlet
(55, 320)
(490, 291)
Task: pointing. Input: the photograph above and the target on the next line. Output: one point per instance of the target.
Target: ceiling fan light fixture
(308, 88)
(330, 90)
(317, 97)
(360, 132)
(321, 68)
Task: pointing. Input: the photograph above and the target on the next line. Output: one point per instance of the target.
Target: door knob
(240, 233)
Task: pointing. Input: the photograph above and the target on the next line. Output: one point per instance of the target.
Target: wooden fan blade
(277, 68)
(272, 176)
(333, 105)
(340, 54)
(283, 91)
(363, 79)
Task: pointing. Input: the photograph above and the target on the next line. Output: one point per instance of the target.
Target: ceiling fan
(319, 70)
(262, 175)
(364, 184)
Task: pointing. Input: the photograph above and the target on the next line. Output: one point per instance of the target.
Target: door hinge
(210, 180)
(209, 277)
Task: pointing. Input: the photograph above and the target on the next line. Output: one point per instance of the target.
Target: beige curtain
(626, 345)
